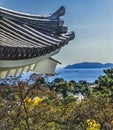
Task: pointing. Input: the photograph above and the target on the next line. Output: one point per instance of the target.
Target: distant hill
(88, 65)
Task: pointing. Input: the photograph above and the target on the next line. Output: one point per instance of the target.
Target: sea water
(89, 75)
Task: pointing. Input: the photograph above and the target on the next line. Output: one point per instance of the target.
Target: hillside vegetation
(53, 106)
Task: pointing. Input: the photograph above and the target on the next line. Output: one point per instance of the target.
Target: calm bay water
(90, 75)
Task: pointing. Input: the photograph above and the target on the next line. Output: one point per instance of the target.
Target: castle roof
(24, 36)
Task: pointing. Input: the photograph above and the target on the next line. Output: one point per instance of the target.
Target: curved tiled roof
(24, 36)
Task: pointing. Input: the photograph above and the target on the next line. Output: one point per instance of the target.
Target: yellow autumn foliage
(31, 103)
(92, 125)
(112, 122)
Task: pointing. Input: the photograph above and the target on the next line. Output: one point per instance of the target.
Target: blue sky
(91, 20)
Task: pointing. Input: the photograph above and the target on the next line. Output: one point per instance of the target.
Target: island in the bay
(89, 65)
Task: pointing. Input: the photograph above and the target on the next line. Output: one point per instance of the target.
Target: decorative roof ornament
(27, 39)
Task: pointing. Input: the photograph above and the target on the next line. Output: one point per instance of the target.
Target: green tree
(105, 84)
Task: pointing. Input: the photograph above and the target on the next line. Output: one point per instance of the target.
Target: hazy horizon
(92, 22)
(86, 62)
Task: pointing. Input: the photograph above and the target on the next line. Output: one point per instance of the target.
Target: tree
(105, 84)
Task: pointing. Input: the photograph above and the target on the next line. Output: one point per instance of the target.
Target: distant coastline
(89, 65)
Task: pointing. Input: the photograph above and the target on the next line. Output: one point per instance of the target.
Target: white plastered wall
(46, 66)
